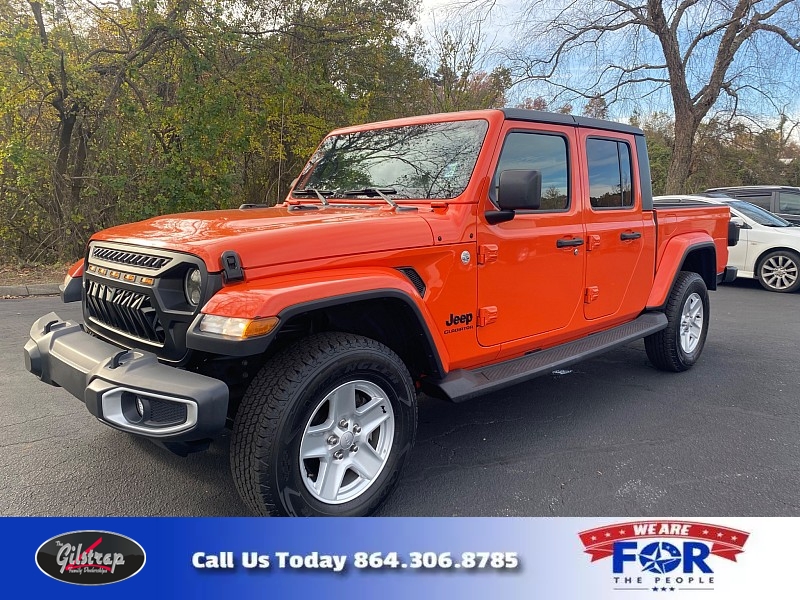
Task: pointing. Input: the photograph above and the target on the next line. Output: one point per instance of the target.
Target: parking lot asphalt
(611, 436)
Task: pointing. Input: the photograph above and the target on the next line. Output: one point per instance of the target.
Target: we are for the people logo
(663, 556)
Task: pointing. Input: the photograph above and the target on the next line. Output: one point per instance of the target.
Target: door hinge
(487, 253)
(591, 294)
(487, 315)
(594, 242)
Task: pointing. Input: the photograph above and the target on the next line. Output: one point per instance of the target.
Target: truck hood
(277, 235)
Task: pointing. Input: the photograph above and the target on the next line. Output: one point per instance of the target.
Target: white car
(768, 248)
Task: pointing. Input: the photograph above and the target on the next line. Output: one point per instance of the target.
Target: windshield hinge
(231, 266)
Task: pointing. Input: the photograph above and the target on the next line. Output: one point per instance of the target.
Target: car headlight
(234, 327)
(192, 287)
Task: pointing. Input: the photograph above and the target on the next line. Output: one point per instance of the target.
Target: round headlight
(192, 287)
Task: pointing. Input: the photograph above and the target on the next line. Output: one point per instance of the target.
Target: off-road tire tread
(662, 346)
(265, 402)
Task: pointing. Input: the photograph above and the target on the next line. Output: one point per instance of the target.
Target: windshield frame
(778, 222)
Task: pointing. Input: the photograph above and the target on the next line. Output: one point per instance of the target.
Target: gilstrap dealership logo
(90, 557)
(663, 556)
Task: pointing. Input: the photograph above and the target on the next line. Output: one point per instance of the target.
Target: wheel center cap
(347, 438)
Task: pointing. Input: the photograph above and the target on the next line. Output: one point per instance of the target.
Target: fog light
(135, 408)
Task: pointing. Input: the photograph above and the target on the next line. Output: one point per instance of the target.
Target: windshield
(758, 214)
(433, 160)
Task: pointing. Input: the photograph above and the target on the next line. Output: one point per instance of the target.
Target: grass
(21, 273)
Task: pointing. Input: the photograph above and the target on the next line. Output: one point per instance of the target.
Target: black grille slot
(124, 310)
(135, 259)
(164, 413)
(414, 278)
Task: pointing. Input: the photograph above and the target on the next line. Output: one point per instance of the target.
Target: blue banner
(401, 558)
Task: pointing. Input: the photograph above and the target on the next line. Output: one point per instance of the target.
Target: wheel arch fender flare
(694, 252)
(288, 296)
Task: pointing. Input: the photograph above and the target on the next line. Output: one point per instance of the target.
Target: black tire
(279, 404)
(664, 348)
(769, 271)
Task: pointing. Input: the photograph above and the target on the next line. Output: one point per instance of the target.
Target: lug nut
(333, 440)
(343, 423)
(353, 448)
(356, 429)
(338, 455)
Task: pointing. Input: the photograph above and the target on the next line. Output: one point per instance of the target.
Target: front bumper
(177, 405)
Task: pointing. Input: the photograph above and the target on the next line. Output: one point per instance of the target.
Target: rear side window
(764, 201)
(789, 203)
(543, 152)
(610, 173)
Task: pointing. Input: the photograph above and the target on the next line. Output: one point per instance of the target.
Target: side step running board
(464, 384)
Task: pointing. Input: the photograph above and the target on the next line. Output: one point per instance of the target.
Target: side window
(610, 173)
(764, 202)
(543, 152)
(789, 203)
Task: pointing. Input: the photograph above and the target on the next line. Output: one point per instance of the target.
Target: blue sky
(767, 59)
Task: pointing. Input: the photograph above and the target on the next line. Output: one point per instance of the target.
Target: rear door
(615, 232)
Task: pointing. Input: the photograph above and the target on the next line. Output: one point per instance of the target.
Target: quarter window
(610, 173)
(764, 202)
(542, 152)
(789, 203)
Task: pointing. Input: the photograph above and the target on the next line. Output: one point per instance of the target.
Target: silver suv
(783, 200)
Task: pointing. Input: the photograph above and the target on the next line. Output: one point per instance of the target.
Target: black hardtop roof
(540, 116)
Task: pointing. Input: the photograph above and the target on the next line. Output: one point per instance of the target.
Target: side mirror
(735, 225)
(518, 189)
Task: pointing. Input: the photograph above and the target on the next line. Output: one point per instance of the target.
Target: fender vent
(414, 278)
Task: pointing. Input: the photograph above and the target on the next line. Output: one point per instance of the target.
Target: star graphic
(594, 538)
(734, 538)
(705, 531)
(719, 535)
(671, 589)
(663, 589)
(655, 589)
(622, 532)
(608, 534)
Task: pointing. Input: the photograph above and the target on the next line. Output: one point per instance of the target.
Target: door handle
(567, 242)
(633, 235)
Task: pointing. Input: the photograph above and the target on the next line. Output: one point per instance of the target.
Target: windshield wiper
(314, 192)
(372, 192)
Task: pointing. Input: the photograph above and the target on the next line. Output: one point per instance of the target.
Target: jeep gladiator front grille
(127, 311)
(125, 257)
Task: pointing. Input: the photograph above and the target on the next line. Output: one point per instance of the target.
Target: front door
(530, 274)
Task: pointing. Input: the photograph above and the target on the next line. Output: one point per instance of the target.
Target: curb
(34, 289)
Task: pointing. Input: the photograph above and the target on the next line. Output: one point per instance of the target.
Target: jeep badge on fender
(459, 319)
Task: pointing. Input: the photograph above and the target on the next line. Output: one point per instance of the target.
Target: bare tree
(460, 77)
(701, 51)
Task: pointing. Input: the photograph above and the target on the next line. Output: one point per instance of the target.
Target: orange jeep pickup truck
(451, 254)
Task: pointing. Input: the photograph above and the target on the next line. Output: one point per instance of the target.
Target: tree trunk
(681, 160)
